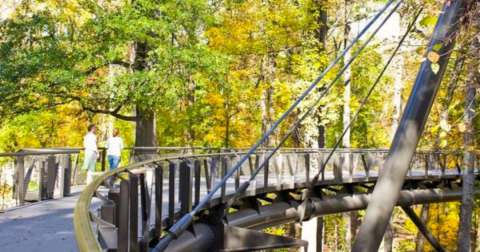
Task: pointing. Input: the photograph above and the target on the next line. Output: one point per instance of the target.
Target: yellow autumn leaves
(434, 58)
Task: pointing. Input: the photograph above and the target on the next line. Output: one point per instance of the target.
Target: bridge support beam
(201, 236)
(392, 176)
(242, 239)
(423, 228)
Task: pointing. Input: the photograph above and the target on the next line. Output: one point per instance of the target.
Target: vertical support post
(337, 168)
(42, 180)
(266, 172)
(250, 165)
(171, 194)
(197, 167)
(254, 182)
(114, 195)
(237, 178)
(75, 169)
(20, 174)
(406, 138)
(133, 213)
(207, 175)
(307, 169)
(144, 201)
(67, 165)
(320, 162)
(213, 171)
(123, 216)
(365, 165)
(350, 164)
(158, 199)
(50, 176)
(225, 167)
(185, 188)
(107, 212)
(278, 166)
(60, 185)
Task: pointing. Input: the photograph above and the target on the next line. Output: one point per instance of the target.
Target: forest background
(219, 73)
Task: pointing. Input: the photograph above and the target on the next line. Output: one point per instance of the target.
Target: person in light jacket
(91, 152)
(114, 148)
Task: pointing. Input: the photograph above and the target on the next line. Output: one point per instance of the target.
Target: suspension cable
(364, 101)
(178, 228)
(245, 185)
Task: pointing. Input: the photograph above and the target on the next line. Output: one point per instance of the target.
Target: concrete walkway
(41, 227)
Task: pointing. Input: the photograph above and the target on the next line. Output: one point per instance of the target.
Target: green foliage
(215, 73)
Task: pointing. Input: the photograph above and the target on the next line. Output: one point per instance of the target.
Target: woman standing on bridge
(91, 152)
(114, 147)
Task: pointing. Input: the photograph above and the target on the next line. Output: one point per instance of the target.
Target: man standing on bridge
(91, 152)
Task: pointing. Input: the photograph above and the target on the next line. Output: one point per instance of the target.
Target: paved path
(42, 227)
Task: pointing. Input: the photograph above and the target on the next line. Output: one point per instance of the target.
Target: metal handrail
(74, 150)
(86, 238)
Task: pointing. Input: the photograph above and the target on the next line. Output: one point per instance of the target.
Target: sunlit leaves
(428, 21)
(433, 57)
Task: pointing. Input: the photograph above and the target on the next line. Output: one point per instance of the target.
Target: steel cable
(364, 101)
(179, 227)
(244, 186)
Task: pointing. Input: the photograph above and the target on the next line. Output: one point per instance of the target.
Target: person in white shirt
(114, 147)
(91, 152)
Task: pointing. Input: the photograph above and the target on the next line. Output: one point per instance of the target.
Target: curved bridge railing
(36, 174)
(150, 196)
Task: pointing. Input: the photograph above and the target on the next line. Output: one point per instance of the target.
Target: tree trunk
(146, 126)
(350, 217)
(420, 243)
(321, 37)
(263, 110)
(468, 179)
(266, 99)
(146, 131)
(346, 80)
(320, 231)
(452, 86)
(397, 96)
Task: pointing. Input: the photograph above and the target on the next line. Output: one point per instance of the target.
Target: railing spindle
(197, 166)
(171, 194)
(133, 213)
(158, 199)
(123, 217)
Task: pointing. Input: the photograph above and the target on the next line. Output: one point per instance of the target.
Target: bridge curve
(159, 192)
(41, 215)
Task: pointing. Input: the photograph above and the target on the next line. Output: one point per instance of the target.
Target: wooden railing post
(133, 225)
(51, 176)
(123, 217)
(67, 166)
(20, 174)
(158, 199)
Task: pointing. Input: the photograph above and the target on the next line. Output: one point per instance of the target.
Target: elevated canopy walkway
(215, 202)
(345, 186)
(218, 201)
(151, 196)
